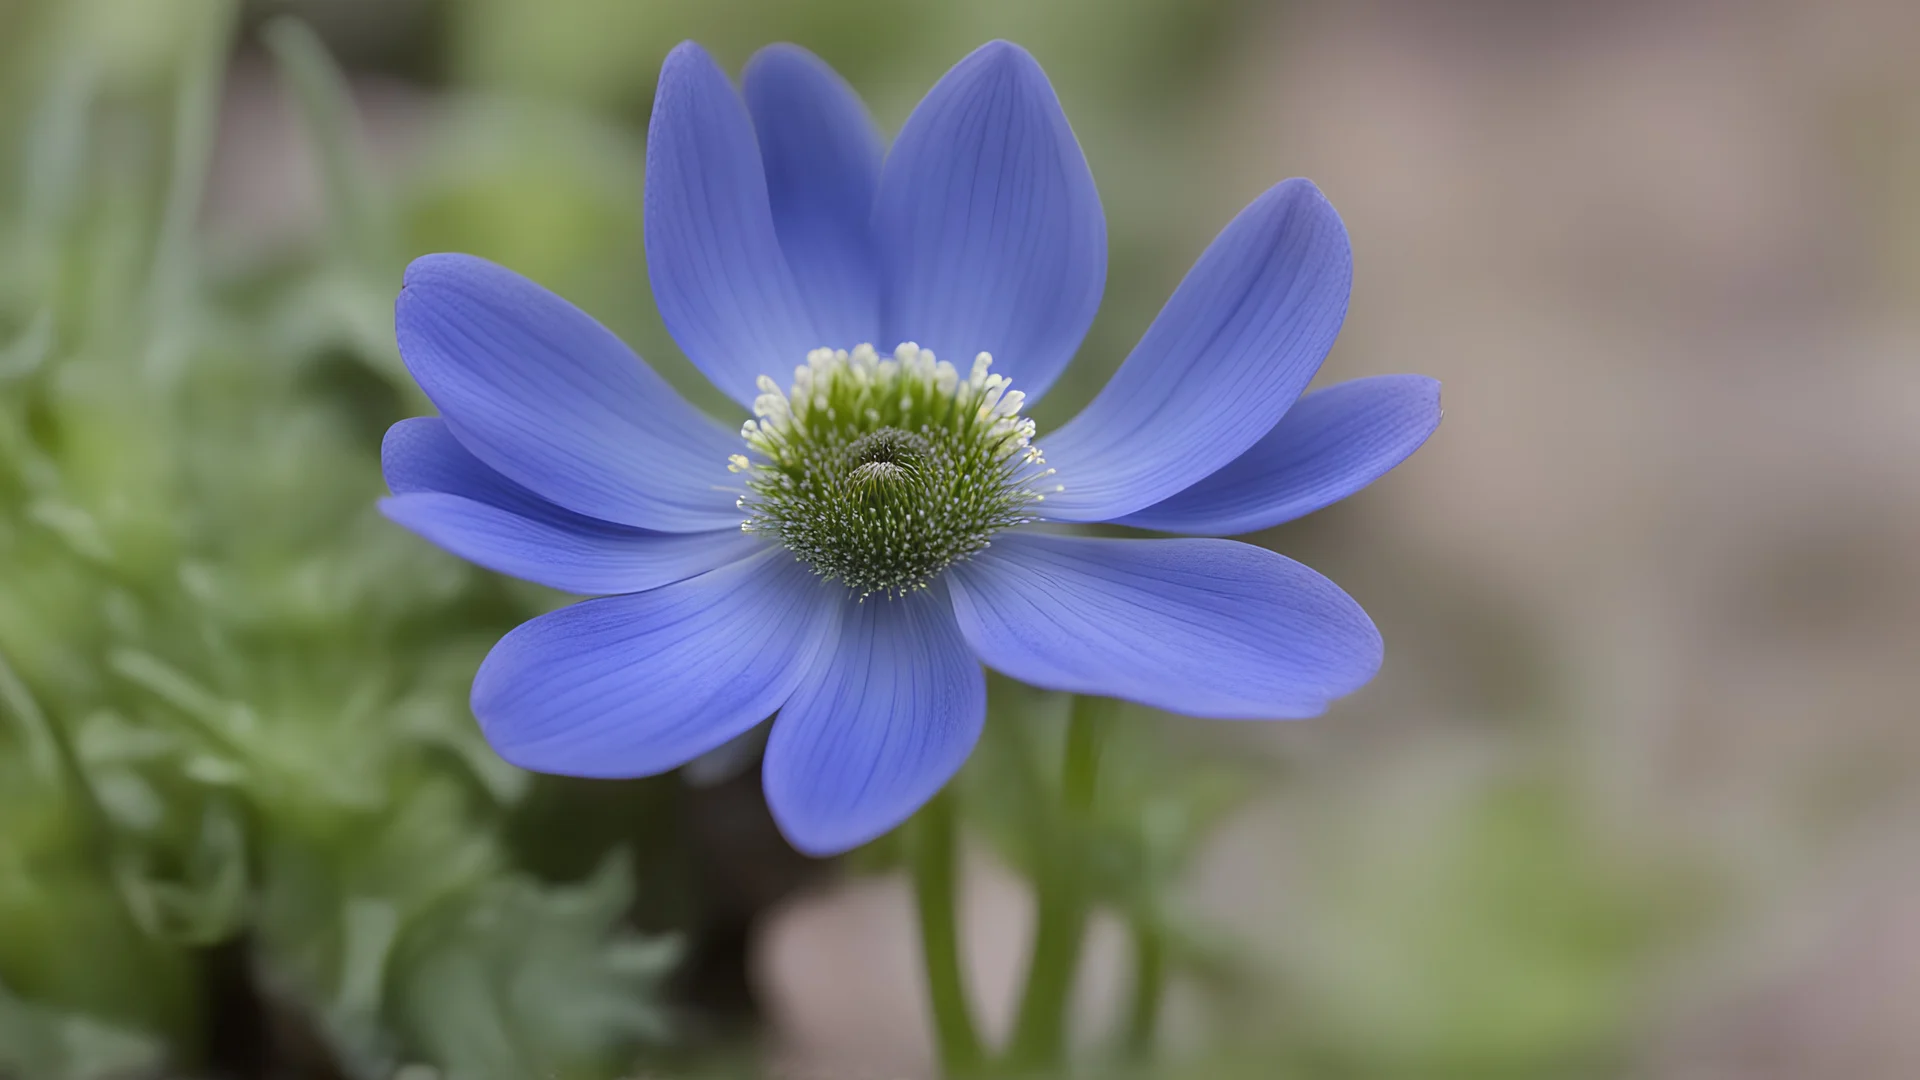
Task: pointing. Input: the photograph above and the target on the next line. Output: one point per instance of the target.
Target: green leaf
(205, 901)
(39, 1043)
(356, 225)
(175, 272)
(531, 980)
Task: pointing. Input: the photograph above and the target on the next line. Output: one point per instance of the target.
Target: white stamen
(953, 464)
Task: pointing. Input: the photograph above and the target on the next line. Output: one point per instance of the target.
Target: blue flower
(878, 531)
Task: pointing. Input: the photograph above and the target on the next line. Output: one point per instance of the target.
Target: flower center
(880, 473)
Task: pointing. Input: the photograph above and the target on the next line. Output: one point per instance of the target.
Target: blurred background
(1637, 794)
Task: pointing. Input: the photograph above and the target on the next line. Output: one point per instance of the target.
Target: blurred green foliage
(1500, 953)
(234, 697)
(1500, 940)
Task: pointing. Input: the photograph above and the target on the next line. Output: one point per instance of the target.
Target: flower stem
(1149, 983)
(934, 855)
(1039, 1036)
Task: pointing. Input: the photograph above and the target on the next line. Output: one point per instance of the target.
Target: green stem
(935, 879)
(1149, 985)
(1039, 1036)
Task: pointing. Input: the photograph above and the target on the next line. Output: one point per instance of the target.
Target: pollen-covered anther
(882, 471)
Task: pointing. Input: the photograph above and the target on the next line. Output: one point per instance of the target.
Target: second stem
(1039, 1036)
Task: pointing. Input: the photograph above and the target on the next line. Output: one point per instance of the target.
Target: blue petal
(448, 497)
(555, 402)
(1330, 445)
(635, 685)
(719, 277)
(990, 224)
(1205, 627)
(420, 454)
(583, 556)
(878, 729)
(822, 155)
(1232, 350)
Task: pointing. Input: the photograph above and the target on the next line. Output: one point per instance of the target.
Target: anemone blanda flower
(880, 529)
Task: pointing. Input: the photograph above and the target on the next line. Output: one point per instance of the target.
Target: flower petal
(447, 496)
(420, 454)
(555, 402)
(822, 156)
(638, 684)
(719, 277)
(878, 729)
(1234, 347)
(1204, 627)
(989, 223)
(1330, 445)
(583, 555)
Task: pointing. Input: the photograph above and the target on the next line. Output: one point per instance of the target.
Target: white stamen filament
(883, 470)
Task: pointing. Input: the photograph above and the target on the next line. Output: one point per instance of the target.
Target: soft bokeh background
(1638, 793)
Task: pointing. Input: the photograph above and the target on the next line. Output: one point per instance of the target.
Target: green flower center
(880, 473)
